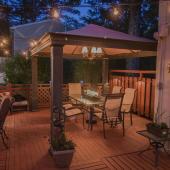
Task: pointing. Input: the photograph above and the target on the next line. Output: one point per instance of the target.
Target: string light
(4, 41)
(116, 11)
(33, 43)
(24, 53)
(1, 44)
(6, 52)
(4, 46)
(55, 13)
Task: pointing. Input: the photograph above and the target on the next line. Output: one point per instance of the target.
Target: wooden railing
(143, 82)
(144, 99)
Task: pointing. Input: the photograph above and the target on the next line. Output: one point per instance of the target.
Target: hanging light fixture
(92, 52)
(85, 52)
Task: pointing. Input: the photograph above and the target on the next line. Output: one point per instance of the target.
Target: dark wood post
(56, 89)
(105, 70)
(34, 95)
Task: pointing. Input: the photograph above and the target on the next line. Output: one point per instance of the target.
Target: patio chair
(73, 112)
(116, 89)
(110, 113)
(7, 95)
(128, 100)
(4, 110)
(74, 89)
(19, 103)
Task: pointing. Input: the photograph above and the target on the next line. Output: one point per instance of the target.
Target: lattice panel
(44, 96)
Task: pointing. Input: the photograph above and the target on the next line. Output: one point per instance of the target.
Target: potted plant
(160, 130)
(62, 151)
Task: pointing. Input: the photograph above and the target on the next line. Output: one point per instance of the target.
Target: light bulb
(6, 52)
(115, 11)
(55, 13)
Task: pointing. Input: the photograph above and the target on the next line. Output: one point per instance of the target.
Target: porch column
(56, 87)
(162, 107)
(105, 70)
(34, 98)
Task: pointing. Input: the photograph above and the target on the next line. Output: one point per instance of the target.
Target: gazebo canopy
(113, 43)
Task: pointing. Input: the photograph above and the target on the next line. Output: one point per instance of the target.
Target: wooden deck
(29, 133)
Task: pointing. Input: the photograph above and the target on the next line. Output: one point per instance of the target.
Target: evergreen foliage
(18, 70)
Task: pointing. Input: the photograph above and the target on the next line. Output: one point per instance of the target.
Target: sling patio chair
(111, 113)
(73, 89)
(116, 89)
(4, 110)
(128, 101)
(73, 112)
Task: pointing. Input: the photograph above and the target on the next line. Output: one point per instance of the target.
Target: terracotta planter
(63, 159)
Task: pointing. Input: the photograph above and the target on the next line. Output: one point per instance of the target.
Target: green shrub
(62, 143)
(18, 70)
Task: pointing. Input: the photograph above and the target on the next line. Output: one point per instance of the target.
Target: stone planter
(64, 158)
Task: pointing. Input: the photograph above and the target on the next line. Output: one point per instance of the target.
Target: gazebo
(61, 45)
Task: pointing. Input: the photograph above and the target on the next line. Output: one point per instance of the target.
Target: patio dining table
(89, 103)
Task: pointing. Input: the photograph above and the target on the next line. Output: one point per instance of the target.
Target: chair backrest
(113, 105)
(4, 110)
(74, 88)
(116, 89)
(128, 99)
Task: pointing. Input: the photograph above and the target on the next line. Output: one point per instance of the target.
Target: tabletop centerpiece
(159, 129)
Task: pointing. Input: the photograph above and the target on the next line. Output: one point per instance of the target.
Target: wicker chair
(110, 113)
(4, 110)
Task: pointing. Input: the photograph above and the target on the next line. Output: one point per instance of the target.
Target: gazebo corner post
(105, 70)
(34, 85)
(57, 123)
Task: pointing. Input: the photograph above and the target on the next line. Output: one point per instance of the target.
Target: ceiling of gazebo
(113, 43)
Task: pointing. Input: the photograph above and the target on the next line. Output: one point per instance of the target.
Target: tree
(88, 71)
(18, 70)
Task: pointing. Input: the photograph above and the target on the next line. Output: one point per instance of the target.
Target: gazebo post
(34, 98)
(105, 70)
(56, 89)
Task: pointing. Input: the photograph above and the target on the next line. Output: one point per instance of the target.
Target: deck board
(29, 134)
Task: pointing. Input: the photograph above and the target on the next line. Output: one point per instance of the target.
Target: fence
(144, 82)
(144, 99)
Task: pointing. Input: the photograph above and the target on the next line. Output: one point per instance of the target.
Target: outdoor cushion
(19, 97)
(21, 103)
(72, 112)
